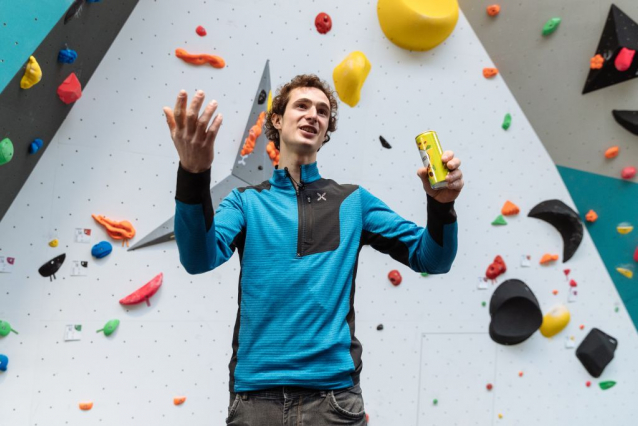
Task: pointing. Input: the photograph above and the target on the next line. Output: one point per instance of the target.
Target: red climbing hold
(636, 254)
(628, 172)
(200, 31)
(70, 90)
(323, 22)
(144, 293)
(573, 283)
(489, 386)
(395, 277)
(624, 59)
(496, 268)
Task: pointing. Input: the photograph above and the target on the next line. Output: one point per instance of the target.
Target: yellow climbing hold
(624, 228)
(349, 77)
(269, 104)
(417, 24)
(53, 243)
(555, 321)
(32, 75)
(626, 272)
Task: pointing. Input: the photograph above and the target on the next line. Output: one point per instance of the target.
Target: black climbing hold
(262, 97)
(627, 119)
(565, 220)
(380, 327)
(51, 267)
(596, 351)
(515, 313)
(385, 143)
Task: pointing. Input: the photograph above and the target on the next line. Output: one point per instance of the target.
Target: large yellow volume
(349, 77)
(417, 24)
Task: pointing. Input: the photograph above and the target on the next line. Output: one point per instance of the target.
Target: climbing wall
(113, 156)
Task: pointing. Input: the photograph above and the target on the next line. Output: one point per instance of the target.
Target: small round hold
(395, 277)
(35, 146)
(323, 22)
(201, 31)
(493, 9)
(520, 374)
(628, 172)
(380, 327)
(436, 401)
(67, 56)
(489, 386)
(588, 384)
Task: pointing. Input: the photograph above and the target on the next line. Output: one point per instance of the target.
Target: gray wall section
(547, 76)
(38, 112)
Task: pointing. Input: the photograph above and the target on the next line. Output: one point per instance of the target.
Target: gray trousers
(294, 406)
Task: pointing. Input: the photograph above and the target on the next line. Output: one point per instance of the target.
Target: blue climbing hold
(35, 146)
(67, 56)
(101, 249)
(4, 361)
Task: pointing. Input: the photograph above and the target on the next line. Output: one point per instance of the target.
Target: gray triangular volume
(165, 232)
(256, 167)
(248, 170)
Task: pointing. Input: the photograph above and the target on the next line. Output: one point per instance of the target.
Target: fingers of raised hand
(455, 180)
(204, 119)
(180, 108)
(193, 112)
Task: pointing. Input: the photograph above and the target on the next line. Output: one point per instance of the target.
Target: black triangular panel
(620, 31)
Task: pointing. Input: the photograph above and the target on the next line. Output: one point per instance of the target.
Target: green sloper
(615, 201)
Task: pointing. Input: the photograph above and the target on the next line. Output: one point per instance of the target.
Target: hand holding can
(431, 155)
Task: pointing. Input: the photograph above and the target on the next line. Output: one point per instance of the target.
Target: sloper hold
(515, 313)
(349, 77)
(596, 351)
(620, 32)
(565, 220)
(627, 119)
(70, 90)
(51, 267)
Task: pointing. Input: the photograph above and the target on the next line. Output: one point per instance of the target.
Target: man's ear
(276, 121)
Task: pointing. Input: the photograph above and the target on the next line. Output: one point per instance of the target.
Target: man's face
(305, 122)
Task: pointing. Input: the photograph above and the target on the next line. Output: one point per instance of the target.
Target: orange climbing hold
(200, 58)
(273, 153)
(591, 216)
(87, 405)
(547, 258)
(489, 72)
(493, 9)
(612, 152)
(596, 62)
(117, 230)
(510, 209)
(253, 135)
(179, 400)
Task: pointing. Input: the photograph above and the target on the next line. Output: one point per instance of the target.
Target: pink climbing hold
(70, 90)
(201, 31)
(624, 59)
(628, 172)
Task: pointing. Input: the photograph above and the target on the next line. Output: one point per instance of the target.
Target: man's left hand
(454, 180)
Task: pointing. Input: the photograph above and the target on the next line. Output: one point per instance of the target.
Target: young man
(298, 235)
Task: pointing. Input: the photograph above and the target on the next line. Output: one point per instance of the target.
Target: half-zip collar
(282, 179)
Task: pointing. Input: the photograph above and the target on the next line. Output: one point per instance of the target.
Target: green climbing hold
(5, 328)
(607, 385)
(551, 26)
(507, 121)
(424, 274)
(500, 220)
(110, 327)
(436, 401)
(6, 151)
(483, 304)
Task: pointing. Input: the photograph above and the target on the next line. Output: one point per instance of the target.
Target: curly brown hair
(280, 101)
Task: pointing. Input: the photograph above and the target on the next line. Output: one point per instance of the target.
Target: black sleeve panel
(194, 188)
(439, 214)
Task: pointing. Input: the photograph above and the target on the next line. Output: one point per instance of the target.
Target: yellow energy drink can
(431, 153)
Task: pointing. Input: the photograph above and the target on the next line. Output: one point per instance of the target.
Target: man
(295, 355)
